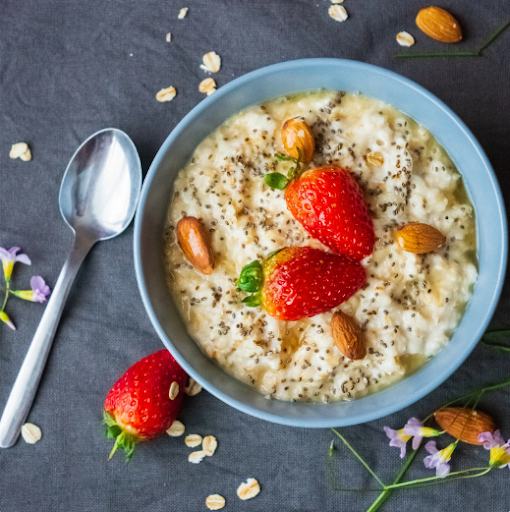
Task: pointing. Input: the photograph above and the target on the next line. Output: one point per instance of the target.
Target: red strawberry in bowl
(299, 282)
(329, 204)
(144, 402)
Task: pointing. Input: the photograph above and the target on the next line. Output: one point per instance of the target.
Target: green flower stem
(472, 53)
(498, 346)
(436, 54)
(358, 456)
(6, 297)
(494, 36)
(381, 499)
(475, 394)
(439, 479)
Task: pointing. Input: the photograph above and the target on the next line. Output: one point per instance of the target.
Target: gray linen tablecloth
(69, 68)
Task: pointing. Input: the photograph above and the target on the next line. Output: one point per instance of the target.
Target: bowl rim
(382, 410)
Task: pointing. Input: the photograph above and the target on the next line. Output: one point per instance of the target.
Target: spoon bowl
(98, 200)
(99, 194)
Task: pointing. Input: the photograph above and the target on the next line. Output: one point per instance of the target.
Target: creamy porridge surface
(411, 304)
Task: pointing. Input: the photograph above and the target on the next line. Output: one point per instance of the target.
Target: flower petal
(390, 432)
(412, 427)
(498, 438)
(416, 442)
(491, 440)
(4, 253)
(431, 461)
(442, 469)
(38, 283)
(23, 258)
(431, 447)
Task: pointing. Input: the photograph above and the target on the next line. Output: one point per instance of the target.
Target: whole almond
(419, 238)
(296, 134)
(195, 244)
(464, 424)
(439, 25)
(347, 336)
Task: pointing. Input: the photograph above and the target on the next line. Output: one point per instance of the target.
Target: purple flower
(38, 292)
(397, 439)
(9, 258)
(40, 289)
(414, 427)
(491, 440)
(500, 451)
(439, 458)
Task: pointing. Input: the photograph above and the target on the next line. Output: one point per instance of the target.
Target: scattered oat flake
(21, 151)
(182, 13)
(405, 39)
(248, 489)
(176, 429)
(193, 440)
(31, 433)
(215, 502)
(207, 86)
(168, 37)
(209, 445)
(338, 12)
(197, 457)
(174, 390)
(193, 388)
(337, 1)
(167, 94)
(211, 62)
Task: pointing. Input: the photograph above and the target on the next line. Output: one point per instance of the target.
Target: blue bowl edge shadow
(278, 80)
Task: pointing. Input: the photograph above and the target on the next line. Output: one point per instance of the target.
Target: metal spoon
(98, 199)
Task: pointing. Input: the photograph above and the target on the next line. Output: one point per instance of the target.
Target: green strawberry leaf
(282, 158)
(251, 277)
(276, 180)
(113, 432)
(123, 439)
(108, 419)
(253, 300)
(125, 442)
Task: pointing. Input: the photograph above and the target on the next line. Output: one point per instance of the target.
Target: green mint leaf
(282, 158)
(252, 300)
(276, 180)
(251, 277)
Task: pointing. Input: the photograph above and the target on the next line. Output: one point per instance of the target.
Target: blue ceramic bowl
(293, 77)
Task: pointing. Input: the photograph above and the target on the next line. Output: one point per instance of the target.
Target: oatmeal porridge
(411, 302)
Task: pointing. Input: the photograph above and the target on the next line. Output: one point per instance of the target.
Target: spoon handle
(25, 387)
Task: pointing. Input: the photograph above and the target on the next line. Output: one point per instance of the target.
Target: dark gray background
(65, 72)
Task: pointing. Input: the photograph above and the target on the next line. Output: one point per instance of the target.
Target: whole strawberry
(299, 282)
(329, 204)
(144, 402)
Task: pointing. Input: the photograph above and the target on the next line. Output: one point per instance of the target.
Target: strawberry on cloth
(329, 204)
(299, 282)
(144, 402)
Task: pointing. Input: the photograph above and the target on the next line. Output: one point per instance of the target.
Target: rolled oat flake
(215, 502)
(31, 433)
(249, 489)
